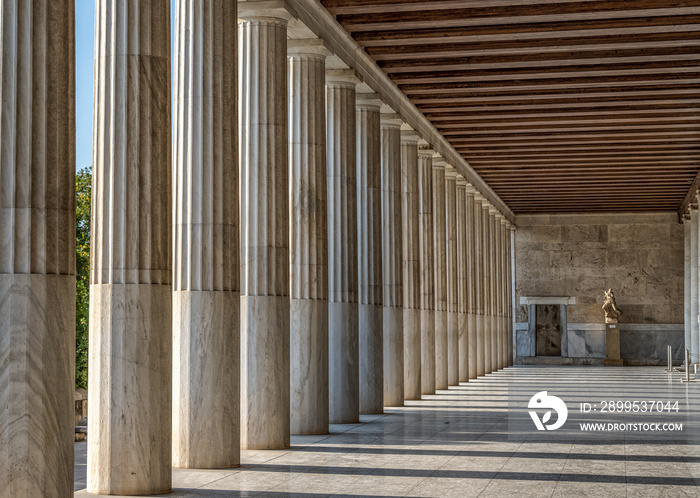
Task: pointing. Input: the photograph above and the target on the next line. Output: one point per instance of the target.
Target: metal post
(687, 367)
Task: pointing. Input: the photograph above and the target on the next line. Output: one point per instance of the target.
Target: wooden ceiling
(561, 106)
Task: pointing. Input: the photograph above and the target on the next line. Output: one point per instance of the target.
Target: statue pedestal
(612, 345)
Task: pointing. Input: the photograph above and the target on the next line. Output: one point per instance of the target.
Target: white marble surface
(206, 285)
(686, 280)
(472, 327)
(130, 375)
(410, 220)
(309, 237)
(343, 312)
(369, 245)
(309, 366)
(694, 282)
(206, 391)
(427, 270)
(393, 356)
(37, 248)
(265, 286)
(344, 378)
(392, 260)
(129, 389)
(265, 400)
(412, 353)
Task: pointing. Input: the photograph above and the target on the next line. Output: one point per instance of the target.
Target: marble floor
(459, 443)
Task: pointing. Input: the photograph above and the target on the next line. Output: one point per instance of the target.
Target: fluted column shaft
(686, 278)
(369, 245)
(440, 275)
(511, 293)
(427, 271)
(206, 284)
(309, 237)
(343, 314)
(37, 247)
(473, 281)
(505, 252)
(130, 389)
(497, 286)
(494, 289)
(264, 201)
(479, 317)
(452, 276)
(410, 219)
(694, 253)
(463, 279)
(487, 283)
(392, 261)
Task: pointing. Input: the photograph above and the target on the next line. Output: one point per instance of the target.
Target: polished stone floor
(461, 443)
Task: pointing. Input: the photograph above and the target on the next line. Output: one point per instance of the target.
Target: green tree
(83, 187)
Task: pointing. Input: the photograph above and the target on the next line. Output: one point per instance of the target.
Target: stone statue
(612, 313)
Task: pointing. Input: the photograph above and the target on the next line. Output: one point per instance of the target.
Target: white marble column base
(427, 365)
(480, 345)
(130, 388)
(393, 356)
(37, 380)
(494, 342)
(206, 414)
(371, 342)
(411, 354)
(463, 346)
(265, 388)
(309, 366)
(488, 368)
(452, 348)
(343, 361)
(471, 331)
(441, 349)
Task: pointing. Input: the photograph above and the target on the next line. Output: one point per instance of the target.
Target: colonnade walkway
(463, 442)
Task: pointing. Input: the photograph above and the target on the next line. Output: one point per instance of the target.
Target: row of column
(691, 227)
(303, 258)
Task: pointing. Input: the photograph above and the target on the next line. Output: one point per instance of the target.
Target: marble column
(463, 279)
(410, 219)
(694, 253)
(498, 289)
(686, 278)
(480, 322)
(369, 246)
(37, 247)
(130, 378)
(495, 281)
(206, 278)
(343, 311)
(427, 270)
(308, 269)
(440, 275)
(264, 204)
(511, 294)
(452, 276)
(487, 283)
(474, 284)
(392, 260)
(503, 297)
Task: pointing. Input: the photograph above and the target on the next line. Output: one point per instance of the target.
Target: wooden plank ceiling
(561, 106)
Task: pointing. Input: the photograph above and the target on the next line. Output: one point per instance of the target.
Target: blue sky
(84, 69)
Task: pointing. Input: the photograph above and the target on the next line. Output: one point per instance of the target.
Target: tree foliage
(83, 187)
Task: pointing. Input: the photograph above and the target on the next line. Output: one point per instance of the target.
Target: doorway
(548, 330)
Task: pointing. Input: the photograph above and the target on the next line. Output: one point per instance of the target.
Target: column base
(37, 352)
(463, 320)
(309, 364)
(412, 354)
(393, 356)
(265, 420)
(452, 348)
(427, 366)
(441, 350)
(343, 361)
(370, 327)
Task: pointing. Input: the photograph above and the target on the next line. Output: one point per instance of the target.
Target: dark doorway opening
(548, 330)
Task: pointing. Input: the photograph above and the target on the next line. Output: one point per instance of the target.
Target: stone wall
(639, 256)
